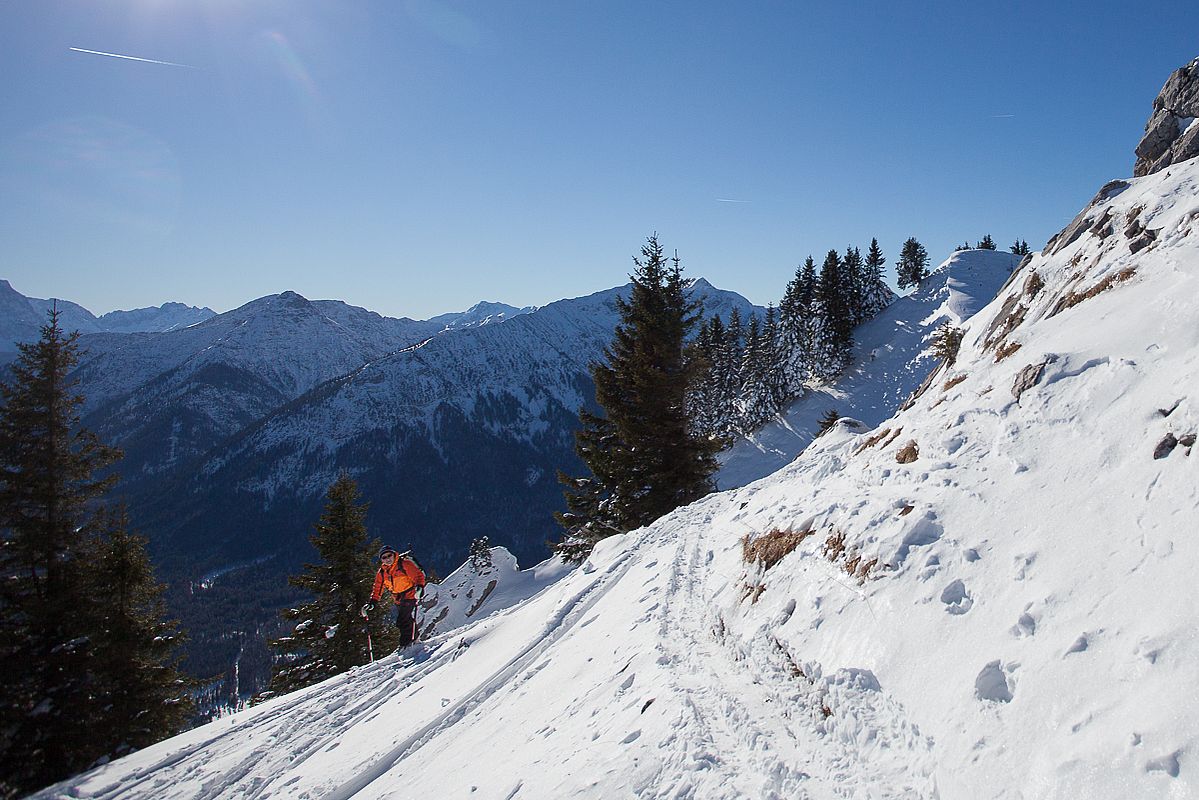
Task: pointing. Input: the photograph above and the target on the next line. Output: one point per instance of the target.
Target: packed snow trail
(695, 714)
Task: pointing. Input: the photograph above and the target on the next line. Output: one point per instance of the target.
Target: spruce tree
(87, 665)
(141, 694)
(775, 378)
(947, 341)
(799, 329)
(913, 264)
(706, 409)
(878, 294)
(49, 485)
(837, 321)
(751, 401)
(986, 243)
(853, 279)
(827, 422)
(732, 360)
(330, 635)
(874, 262)
(1020, 248)
(650, 459)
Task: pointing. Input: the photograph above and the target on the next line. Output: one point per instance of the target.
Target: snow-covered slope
(891, 359)
(990, 596)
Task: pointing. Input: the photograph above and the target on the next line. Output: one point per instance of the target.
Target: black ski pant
(406, 621)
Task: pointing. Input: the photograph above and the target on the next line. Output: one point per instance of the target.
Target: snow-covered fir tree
(753, 370)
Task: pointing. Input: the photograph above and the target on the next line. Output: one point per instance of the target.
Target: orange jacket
(402, 578)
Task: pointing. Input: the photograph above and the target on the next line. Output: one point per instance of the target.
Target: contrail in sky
(1002, 116)
(131, 58)
(727, 200)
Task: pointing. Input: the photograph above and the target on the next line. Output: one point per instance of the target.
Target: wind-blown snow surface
(891, 359)
(1028, 631)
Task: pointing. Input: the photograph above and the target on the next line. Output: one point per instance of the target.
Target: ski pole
(370, 650)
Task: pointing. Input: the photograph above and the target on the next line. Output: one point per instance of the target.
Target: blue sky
(415, 157)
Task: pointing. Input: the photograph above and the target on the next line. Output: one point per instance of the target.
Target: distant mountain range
(21, 318)
(233, 424)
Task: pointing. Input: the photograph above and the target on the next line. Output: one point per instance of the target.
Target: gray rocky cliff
(1172, 132)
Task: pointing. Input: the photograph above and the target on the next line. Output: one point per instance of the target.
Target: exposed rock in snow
(1170, 134)
(468, 594)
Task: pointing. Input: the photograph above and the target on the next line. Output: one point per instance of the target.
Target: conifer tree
(1020, 248)
(67, 633)
(799, 324)
(874, 262)
(141, 693)
(775, 379)
(837, 330)
(986, 243)
(947, 341)
(590, 500)
(913, 264)
(878, 294)
(330, 635)
(651, 460)
(752, 398)
(706, 410)
(732, 359)
(827, 422)
(853, 279)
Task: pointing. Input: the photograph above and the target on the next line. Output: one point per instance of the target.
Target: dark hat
(386, 549)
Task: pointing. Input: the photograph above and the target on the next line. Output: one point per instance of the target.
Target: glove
(367, 608)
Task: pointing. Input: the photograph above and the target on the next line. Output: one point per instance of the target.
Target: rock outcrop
(1172, 132)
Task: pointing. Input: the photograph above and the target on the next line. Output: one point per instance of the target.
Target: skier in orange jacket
(405, 580)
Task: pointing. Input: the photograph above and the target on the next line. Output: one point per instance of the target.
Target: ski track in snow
(564, 619)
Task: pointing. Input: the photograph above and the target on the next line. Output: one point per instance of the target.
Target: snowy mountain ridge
(989, 595)
(17, 324)
(489, 407)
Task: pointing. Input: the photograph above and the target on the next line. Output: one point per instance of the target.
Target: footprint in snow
(1167, 764)
(1080, 644)
(632, 737)
(955, 598)
(992, 684)
(1025, 626)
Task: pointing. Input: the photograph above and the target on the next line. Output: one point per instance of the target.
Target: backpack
(419, 580)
